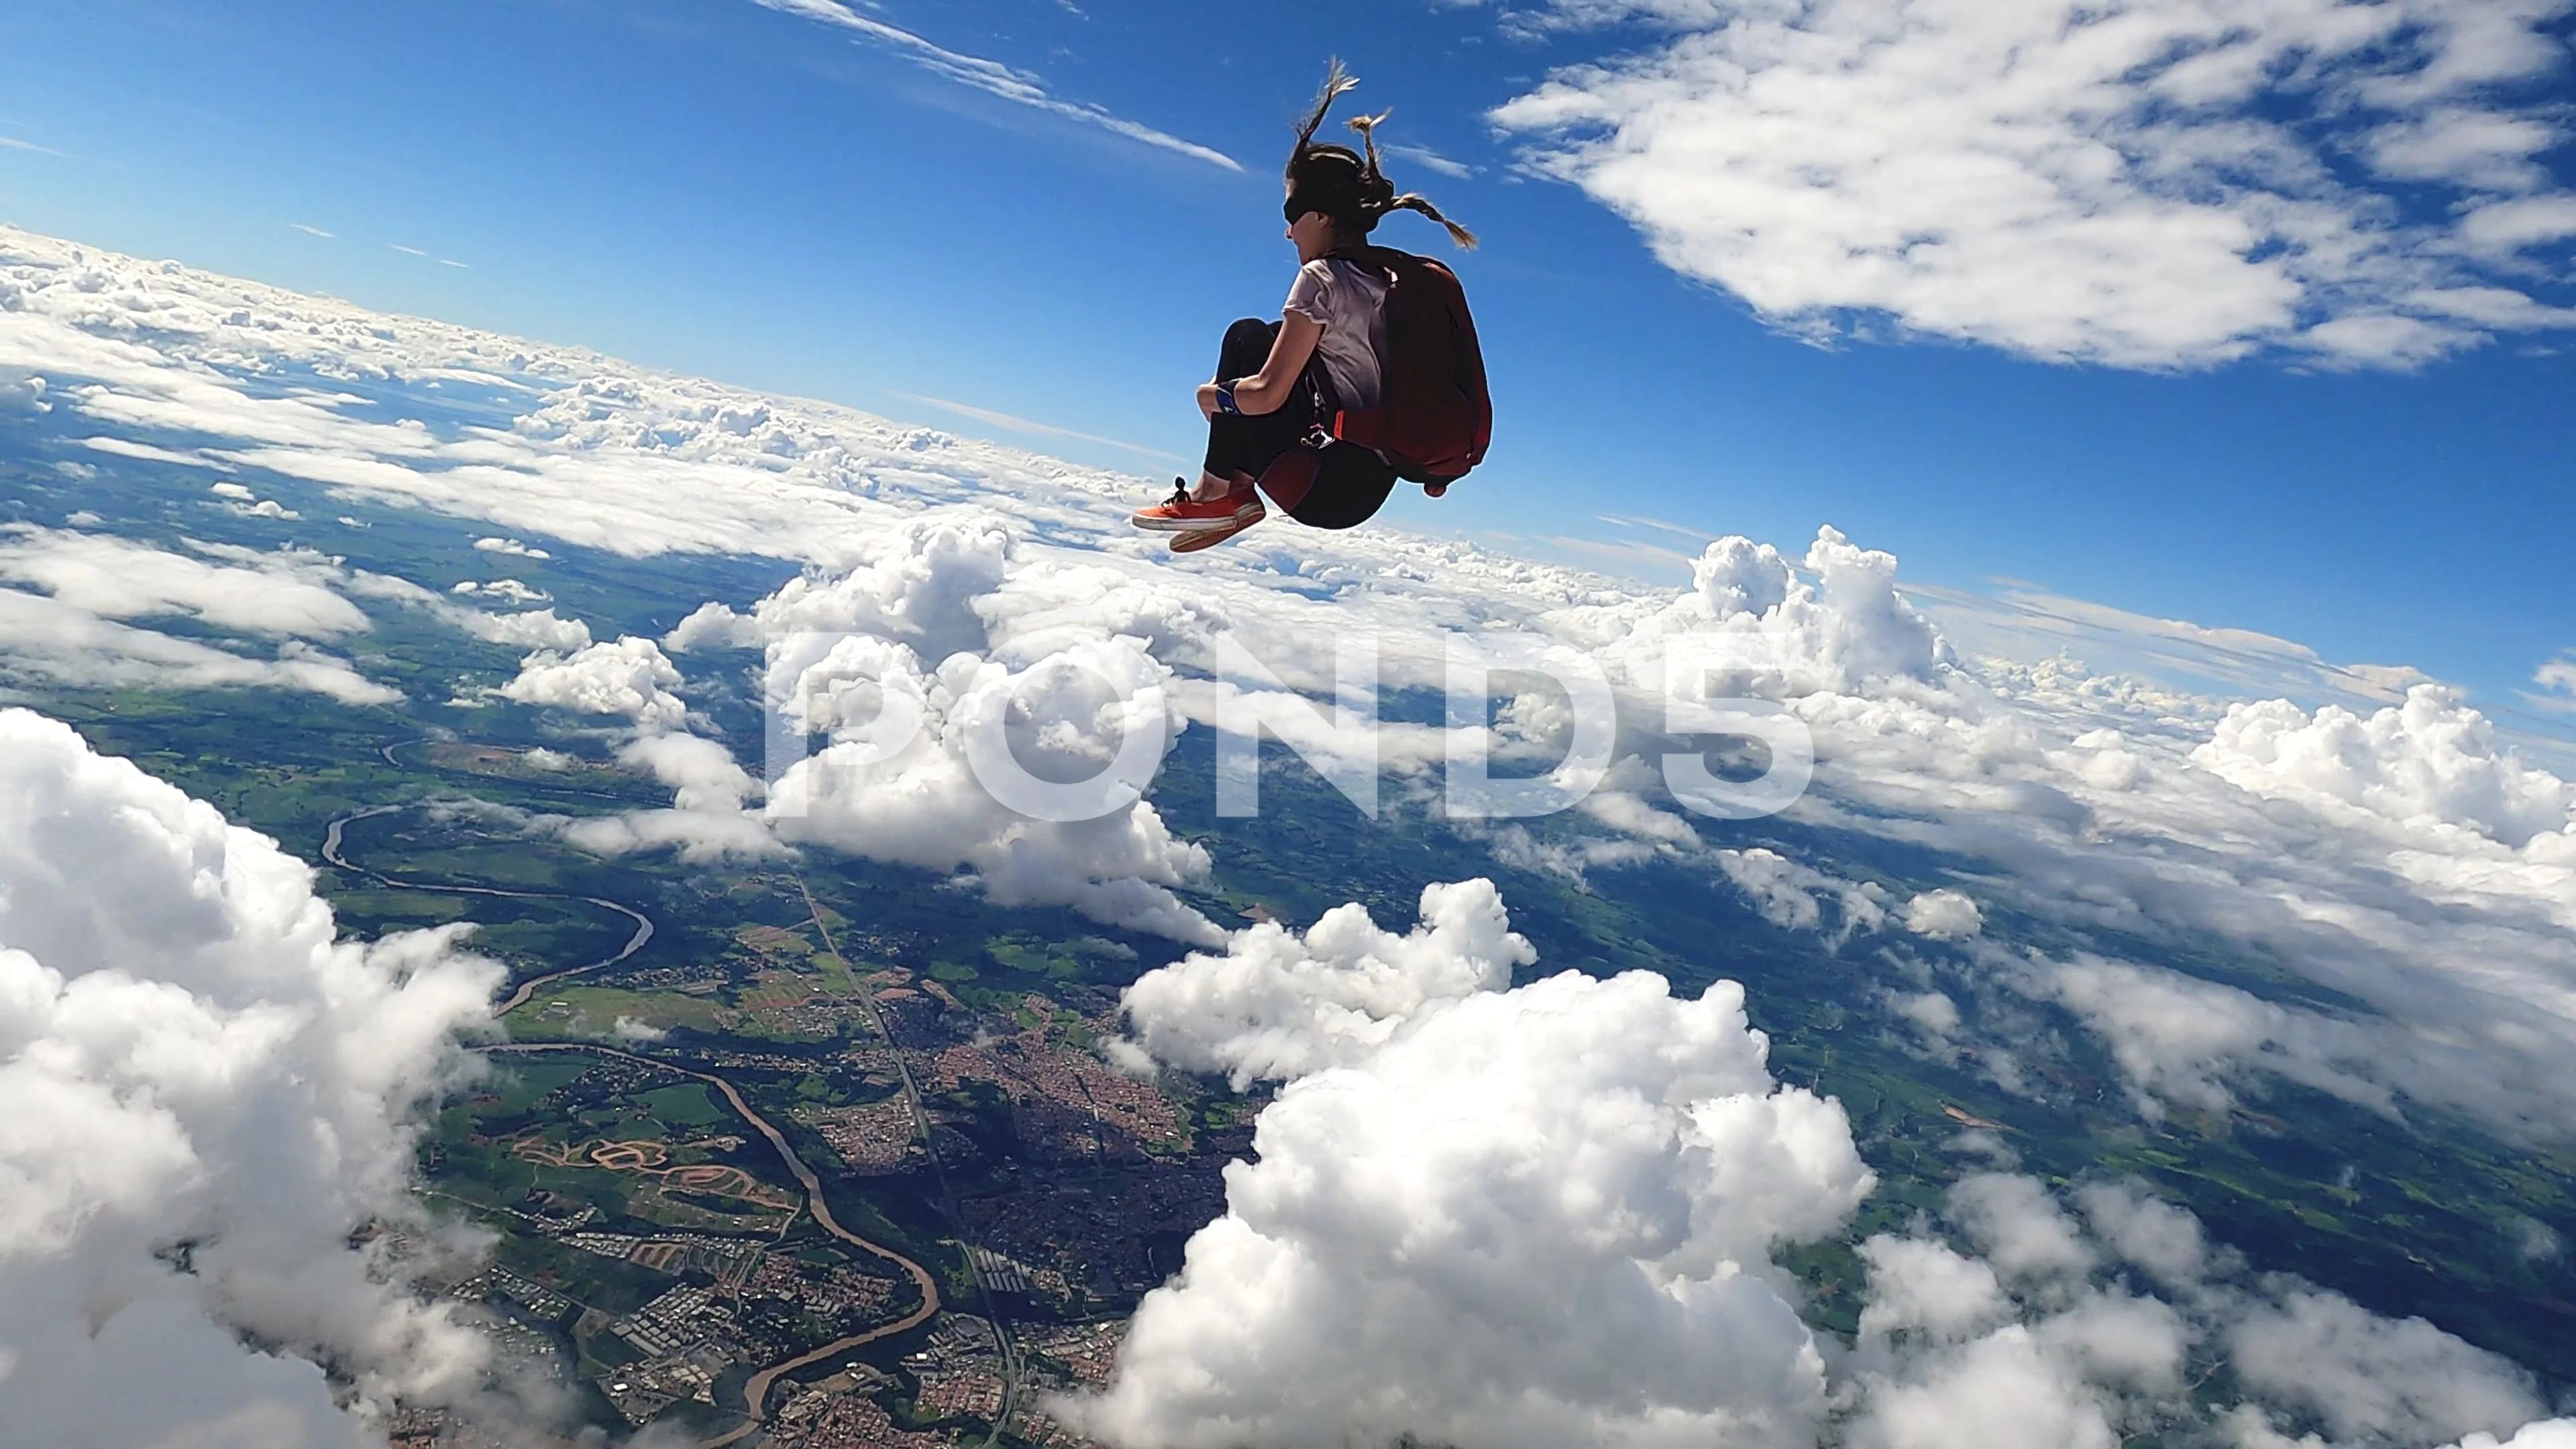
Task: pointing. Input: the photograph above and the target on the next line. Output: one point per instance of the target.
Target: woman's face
(1313, 235)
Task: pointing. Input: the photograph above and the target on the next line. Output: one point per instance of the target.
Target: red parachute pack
(1434, 418)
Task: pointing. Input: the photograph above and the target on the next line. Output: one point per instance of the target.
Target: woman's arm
(1268, 390)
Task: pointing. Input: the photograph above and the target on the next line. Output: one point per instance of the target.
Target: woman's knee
(1247, 346)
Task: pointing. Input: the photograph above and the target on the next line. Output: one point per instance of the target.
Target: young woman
(1278, 383)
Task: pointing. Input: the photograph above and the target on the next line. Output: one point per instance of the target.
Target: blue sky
(2317, 385)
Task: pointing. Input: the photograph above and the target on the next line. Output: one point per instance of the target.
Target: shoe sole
(1244, 517)
(1199, 538)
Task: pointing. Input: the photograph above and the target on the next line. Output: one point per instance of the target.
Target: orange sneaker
(1199, 538)
(1183, 514)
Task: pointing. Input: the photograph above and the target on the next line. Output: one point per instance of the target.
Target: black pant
(1348, 483)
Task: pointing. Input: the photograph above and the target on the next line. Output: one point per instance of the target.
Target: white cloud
(990, 76)
(2558, 679)
(2156, 185)
(2428, 764)
(2177, 1039)
(203, 1095)
(510, 546)
(2019, 1226)
(1924, 1287)
(539, 630)
(707, 818)
(2372, 1378)
(23, 392)
(1278, 1005)
(1955, 1355)
(1531, 1217)
(2143, 1229)
(1070, 686)
(1788, 894)
(44, 638)
(1430, 160)
(628, 676)
(241, 500)
(2542, 1434)
(2001, 1391)
(281, 595)
(922, 801)
(2034, 627)
(1944, 915)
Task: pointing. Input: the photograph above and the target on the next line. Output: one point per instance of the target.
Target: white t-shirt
(1350, 301)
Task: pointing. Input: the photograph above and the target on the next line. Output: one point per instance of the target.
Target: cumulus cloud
(540, 631)
(510, 546)
(1541, 1216)
(2038, 1340)
(2159, 185)
(23, 392)
(1788, 894)
(1783, 635)
(627, 676)
(2369, 1378)
(708, 817)
(206, 1095)
(2544, 1434)
(2429, 763)
(1279, 1005)
(1944, 915)
(1023, 759)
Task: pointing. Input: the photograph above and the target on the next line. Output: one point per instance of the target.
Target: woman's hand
(1207, 400)
(1269, 390)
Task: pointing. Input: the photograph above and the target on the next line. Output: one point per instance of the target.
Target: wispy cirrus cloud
(312, 231)
(1430, 160)
(1024, 425)
(990, 76)
(12, 143)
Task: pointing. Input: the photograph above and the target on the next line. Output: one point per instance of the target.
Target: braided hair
(1344, 184)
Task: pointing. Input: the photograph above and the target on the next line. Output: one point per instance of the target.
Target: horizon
(1090, 199)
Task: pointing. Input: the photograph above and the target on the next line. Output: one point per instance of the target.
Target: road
(756, 1392)
(1014, 1369)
